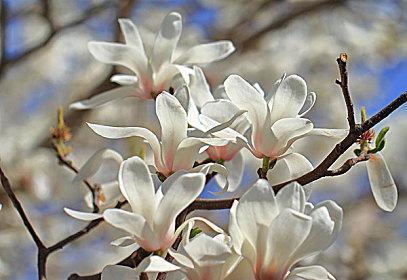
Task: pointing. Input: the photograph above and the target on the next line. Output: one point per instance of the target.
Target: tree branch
(347, 165)
(297, 11)
(55, 30)
(343, 83)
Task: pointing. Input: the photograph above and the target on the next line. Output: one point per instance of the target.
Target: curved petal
(166, 40)
(206, 53)
(131, 35)
(200, 91)
(124, 80)
(136, 225)
(289, 167)
(246, 97)
(310, 273)
(119, 54)
(113, 132)
(173, 120)
(213, 167)
(235, 169)
(287, 131)
(84, 216)
(291, 196)
(383, 187)
(137, 187)
(93, 164)
(155, 264)
(286, 233)
(207, 251)
(257, 207)
(103, 98)
(326, 224)
(234, 230)
(183, 191)
(336, 133)
(112, 272)
(289, 98)
(181, 259)
(123, 241)
(309, 103)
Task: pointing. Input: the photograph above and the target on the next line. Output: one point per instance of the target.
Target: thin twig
(347, 165)
(85, 16)
(343, 83)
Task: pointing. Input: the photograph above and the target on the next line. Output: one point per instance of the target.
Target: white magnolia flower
(106, 194)
(175, 150)
(275, 118)
(151, 224)
(201, 258)
(274, 232)
(381, 182)
(153, 73)
(150, 265)
(207, 111)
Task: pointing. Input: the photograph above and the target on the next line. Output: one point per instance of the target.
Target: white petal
(246, 97)
(257, 207)
(131, 34)
(155, 264)
(336, 133)
(383, 187)
(113, 272)
(166, 40)
(103, 98)
(234, 230)
(291, 196)
(326, 224)
(123, 241)
(135, 224)
(206, 53)
(287, 232)
(200, 91)
(289, 167)
(183, 96)
(289, 98)
(207, 251)
(235, 169)
(93, 164)
(112, 132)
(84, 216)
(137, 187)
(310, 273)
(309, 103)
(290, 128)
(173, 120)
(183, 191)
(213, 167)
(119, 54)
(124, 80)
(181, 259)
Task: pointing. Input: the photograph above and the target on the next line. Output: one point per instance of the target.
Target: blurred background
(44, 63)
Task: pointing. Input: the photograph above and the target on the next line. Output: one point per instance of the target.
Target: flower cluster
(203, 132)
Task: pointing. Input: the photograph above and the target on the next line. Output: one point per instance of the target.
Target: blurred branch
(297, 10)
(95, 10)
(17, 205)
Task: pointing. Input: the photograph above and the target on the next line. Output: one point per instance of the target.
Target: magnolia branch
(343, 83)
(347, 165)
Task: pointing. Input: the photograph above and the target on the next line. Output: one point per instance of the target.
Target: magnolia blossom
(274, 232)
(383, 187)
(175, 150)
(106, 194)
(153, 73)
(206, 111)
(150, 265)
(201, 258)
(151, 224)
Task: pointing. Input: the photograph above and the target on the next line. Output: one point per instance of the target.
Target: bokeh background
(44, 63)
